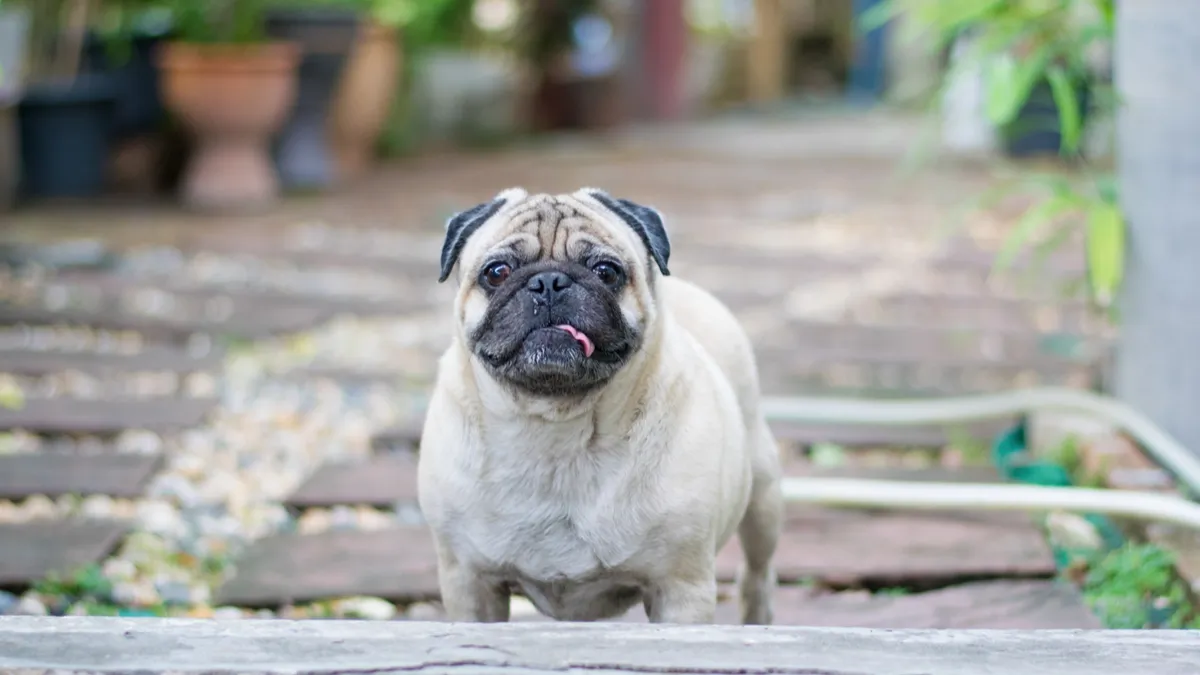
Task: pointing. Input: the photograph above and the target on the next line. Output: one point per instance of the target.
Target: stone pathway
(224, 416)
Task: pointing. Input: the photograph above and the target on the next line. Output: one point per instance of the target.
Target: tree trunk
(1158, 143)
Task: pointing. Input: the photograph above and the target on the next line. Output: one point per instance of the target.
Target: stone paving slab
(997, 605)
(875, 549)
(153, 646)
(241, 321)
(105, 417)
(966, 474)
(152, 358)
(57, 474)
(864, 436)
(28, 551)
(381, 481)
(197, 293)
(400, 438)
(394, 564)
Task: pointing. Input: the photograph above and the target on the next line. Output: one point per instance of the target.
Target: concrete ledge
(93, 644)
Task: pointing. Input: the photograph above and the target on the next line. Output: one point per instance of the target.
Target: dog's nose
(548, 285)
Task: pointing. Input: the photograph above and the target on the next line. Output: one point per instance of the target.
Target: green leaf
(1009, 82)
(1070, 119)
(1105, 251)
(879, 15)
(1032, 220)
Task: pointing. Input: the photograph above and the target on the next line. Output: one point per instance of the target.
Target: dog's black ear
(461, 226)
(644, 220)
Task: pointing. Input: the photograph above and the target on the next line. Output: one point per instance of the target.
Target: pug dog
(594, 435)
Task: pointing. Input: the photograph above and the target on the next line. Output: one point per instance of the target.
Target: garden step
(28, 551)
(399, 438)
(872, 436)
(152, 358)
(105, 417)
(995, 605)
(849, 548)
(396, 564)
(244, 320)
(57, 474)
(199, 293)
(931, 344)
(938, 474)
(381, 481)
(876, 549)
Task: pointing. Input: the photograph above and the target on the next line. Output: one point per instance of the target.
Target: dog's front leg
(682, 599)
(466, 595)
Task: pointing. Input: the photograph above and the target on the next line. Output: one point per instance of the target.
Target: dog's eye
(496, 273)
(609, 274)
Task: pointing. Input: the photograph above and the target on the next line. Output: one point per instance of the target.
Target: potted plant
(368, 86)
(325, 31)
(14, 29)
(232, 87)
(1033, 55)
(65, 115)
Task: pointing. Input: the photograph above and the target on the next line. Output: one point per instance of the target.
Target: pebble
(97, 506)
(160, 518)
(175, 592)
(30, 605)
(227, 613)
(8, 602)
(118, 569)
(1072, 531)
(37, 507)
(423, 611)
(373, 609)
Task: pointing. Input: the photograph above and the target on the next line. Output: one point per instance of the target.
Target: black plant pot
(139, 105)
(66, 133)
(1037, 130)
(326, 36)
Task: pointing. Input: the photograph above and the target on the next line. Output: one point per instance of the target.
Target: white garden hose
(931, 495)
(856, 493)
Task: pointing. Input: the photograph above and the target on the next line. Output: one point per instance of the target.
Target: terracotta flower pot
(233, 99)
(364, 98)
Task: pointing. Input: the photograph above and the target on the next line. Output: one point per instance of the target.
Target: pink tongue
(588, 347)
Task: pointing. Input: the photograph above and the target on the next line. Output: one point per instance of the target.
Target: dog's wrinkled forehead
(542, 226)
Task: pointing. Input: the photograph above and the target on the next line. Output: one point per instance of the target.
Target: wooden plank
(156, 358)
(375, 261)
(243, 320)
(943, 345)
(846, 548)
(995, 605)
(983, 311)
(398, 564)
(383, 481)
(279, 299)
(100, 417)
(275, 647)
(850, 549)
(864, 436)
(56, 474)
(966, 474)
(28, 551)
(400, 438)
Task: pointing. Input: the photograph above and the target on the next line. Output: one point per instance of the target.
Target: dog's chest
(550, 517)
